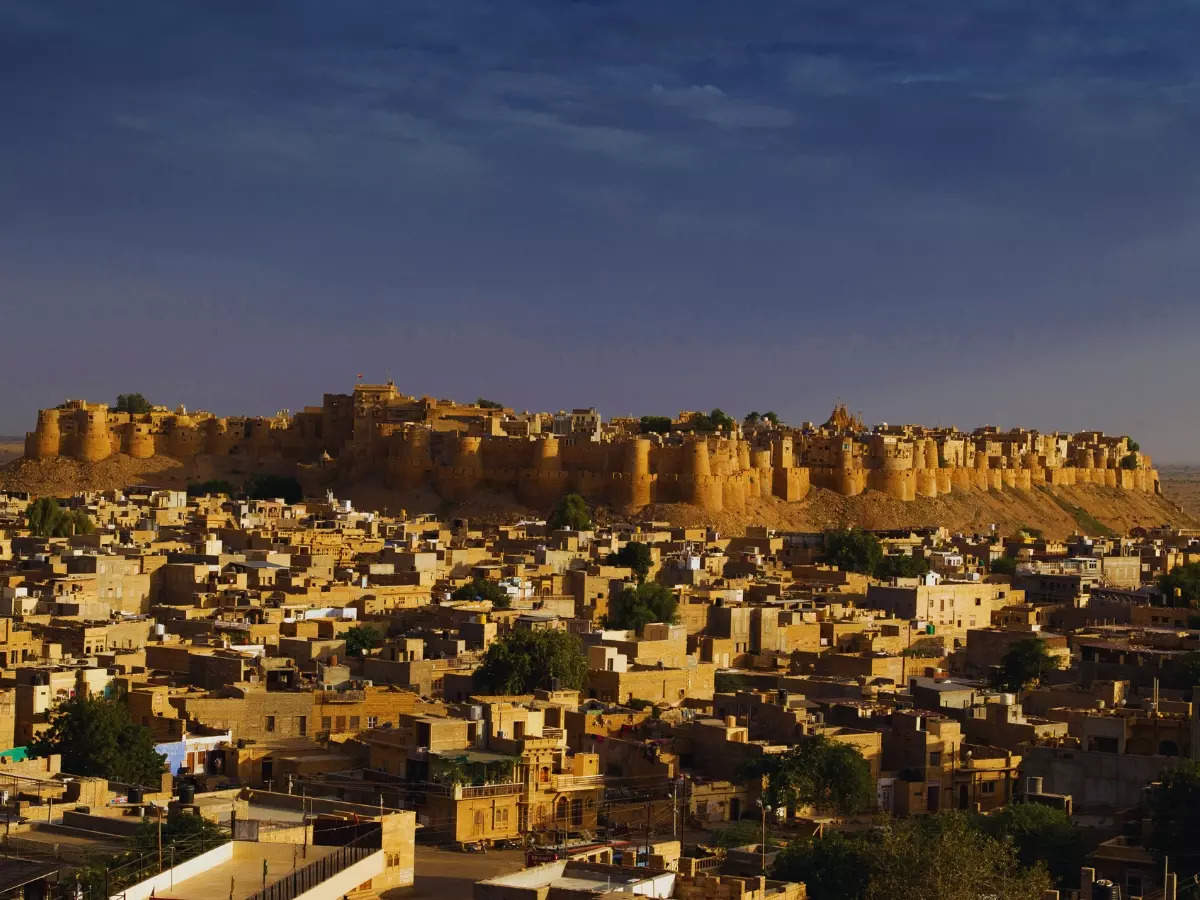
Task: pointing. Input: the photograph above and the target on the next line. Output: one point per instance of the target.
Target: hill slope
(1058, 512)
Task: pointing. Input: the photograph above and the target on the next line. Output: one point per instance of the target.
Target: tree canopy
(1040, 833)
(482, 589)
(939, 857)
(853, 550)
(636, 556)
(1175, 819)
(1181, 586)
(523, 661)
(818, 772)
(901, 566)
(273, 487)
(1025, 662)
(362, 638)
(488, 404)
(96, 736)
(655, 424)
(1004, 565)
(771, 416)
(752, 417)
(47, 519)
(716, 420)
(572, 512)
(135, 404)
(636, 607)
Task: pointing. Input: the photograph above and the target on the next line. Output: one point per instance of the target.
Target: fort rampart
(459, 453)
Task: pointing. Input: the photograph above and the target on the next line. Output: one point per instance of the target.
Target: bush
(47, 519)
(274, 487)
(482, 589)
(135, 404)
(635, 555)
(853, 550)
(655, 424)
(902, 566)
(523, 661)
(362, 638)
(636, 607)
(1005, 565)
(572, 512)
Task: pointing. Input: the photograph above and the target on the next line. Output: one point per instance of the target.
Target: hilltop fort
(457, 449)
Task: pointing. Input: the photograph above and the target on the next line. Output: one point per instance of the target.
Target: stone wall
(712, 472)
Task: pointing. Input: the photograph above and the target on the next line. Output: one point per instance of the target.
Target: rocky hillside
(1057, 512)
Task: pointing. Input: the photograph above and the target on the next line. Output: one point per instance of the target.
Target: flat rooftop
(243, 875)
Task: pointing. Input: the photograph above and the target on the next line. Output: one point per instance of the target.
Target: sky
(941, 212)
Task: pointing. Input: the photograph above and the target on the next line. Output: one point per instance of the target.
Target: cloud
(709, 103)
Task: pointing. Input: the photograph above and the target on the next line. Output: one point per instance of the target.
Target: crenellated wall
(362, 435)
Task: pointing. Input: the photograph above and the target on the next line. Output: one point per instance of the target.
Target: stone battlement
(457, 449)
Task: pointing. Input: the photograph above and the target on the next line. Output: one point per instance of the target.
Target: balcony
(576, 782)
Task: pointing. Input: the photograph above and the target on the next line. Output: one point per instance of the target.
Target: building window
(988, 787)
(354, 723)
(302, 724)
(372, 721)
(341, 723)
(326, 723)
(935, 758)
(270, 723)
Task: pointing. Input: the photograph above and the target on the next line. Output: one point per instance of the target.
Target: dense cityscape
(254, 677)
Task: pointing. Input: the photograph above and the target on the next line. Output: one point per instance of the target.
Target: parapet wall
(714, 473)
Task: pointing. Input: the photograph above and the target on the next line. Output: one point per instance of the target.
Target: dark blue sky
(946, 212)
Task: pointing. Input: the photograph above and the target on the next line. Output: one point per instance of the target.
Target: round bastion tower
(47, 437)
(141, 440)
(637, 471)
(94, 441)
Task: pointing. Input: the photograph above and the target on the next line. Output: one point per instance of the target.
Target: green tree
(274, 487)
(853, 550)
(636, 607)
(488, 404)
(1181, 586)
(720, 419)
(944, 857)
(655, 424)
(1040, 833)
(47, 519)
(1134, 446)
(636, 556)
(834, 867)
(135, 404)
(752, 417)
(902, 566)
(1004, 565)
(523, 661)
(572, 512)
(939, 857)
(1175, 818)
(816, 772)
(96, 736)
(482, 589)
(1130, 461)
(771, 416)
(1025, 662)
(362, 638)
